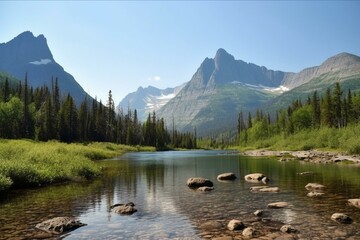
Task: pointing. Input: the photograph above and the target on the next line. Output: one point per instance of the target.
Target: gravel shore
(315, 156)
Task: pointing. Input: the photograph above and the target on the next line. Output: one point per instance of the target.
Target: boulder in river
(226, 176)
(341, 218)
(278, 205)
(126, 209)
(235, 225)
(256, 178)
(59, 225)
(354, 202)
(197, 182)
(270, 189)
(316, 187)
(315, 194)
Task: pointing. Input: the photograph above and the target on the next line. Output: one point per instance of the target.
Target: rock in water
(256, 178)
(205, 189)
(278, 205)
(288, 229)
(198, 182)
(126, 209)
(60, 225)
(354, 202)
(316, 187)
(341, 218)
(226, 177)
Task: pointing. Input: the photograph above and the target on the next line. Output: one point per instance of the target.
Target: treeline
(334, 109)
(43, 114)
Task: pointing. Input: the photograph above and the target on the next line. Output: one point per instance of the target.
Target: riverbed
(168, 209)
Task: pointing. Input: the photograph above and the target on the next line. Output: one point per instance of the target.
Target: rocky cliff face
(218, 90)
(29, 54)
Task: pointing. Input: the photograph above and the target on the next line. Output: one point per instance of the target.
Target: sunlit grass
(26, 163)
(344, 140)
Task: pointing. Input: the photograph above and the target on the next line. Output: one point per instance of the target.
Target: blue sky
(122, 45)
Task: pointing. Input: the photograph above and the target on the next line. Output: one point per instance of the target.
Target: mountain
(221, 88)
(343, 68)
(29, 54)
(147, 100)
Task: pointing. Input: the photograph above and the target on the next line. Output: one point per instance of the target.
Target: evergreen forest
(44, 114)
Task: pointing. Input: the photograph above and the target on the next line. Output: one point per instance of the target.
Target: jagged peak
(222, 55)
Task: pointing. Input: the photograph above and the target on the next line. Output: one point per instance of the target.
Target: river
(168, 209)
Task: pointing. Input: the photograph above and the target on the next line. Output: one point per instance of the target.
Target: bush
(5, 182)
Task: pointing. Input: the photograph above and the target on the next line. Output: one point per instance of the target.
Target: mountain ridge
(27, 54)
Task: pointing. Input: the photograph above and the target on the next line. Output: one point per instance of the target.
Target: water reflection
(167, 209)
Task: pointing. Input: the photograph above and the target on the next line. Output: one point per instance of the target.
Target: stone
(341, 218)
(235, 225)
(59, 225)
(315, 187)
(249, 232)
(205, 189)
(256, 178)
(223, 238)
(278, 205)
(211, 226)
(259, 213)
(315, 194)
(226, 177)
(288, 229)
(354, 202)
(126, 209)
(270, 189)
(198, 182)
(257, 188)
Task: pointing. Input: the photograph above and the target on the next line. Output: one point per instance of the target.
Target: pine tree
(337, 105)
(315, 107)
(6, 91)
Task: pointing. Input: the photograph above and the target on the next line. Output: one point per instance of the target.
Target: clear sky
(122, 45)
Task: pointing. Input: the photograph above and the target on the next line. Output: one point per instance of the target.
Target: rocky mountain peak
(26, 48)
(222, 58)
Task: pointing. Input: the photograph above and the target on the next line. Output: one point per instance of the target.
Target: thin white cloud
(41, 62)
(154, 79)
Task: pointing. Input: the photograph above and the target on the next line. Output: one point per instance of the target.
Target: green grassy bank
(346, 140)
(25, 163)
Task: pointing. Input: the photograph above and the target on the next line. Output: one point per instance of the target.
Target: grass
(25, 163)
(344, 140)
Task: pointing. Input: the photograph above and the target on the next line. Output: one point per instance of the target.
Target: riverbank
(26, 163)
(315, 156)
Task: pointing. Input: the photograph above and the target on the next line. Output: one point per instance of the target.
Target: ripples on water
(168, 209)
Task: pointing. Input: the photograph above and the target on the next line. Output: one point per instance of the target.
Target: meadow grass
(25, 163)
(344, 140)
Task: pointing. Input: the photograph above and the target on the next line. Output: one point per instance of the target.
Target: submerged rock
(127, 209)
(270, 189)
(315, 187)
(235, 225)
(278, 205)
(59, 225)
(354, 202)
(205, 189)
(315, 194)
(226, 176)
(256, 178)
(341, 218)
(199, 182)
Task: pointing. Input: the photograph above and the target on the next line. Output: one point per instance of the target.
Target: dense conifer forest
(327, 121)
(44, 114)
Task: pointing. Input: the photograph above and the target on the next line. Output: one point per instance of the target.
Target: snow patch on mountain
(41, 62)
(280, 89)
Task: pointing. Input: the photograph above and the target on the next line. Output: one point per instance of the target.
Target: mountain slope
(220, 88)
(146, 100)
(343, 68)
(29, 54)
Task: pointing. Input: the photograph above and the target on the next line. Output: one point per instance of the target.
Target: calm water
(168, 209)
